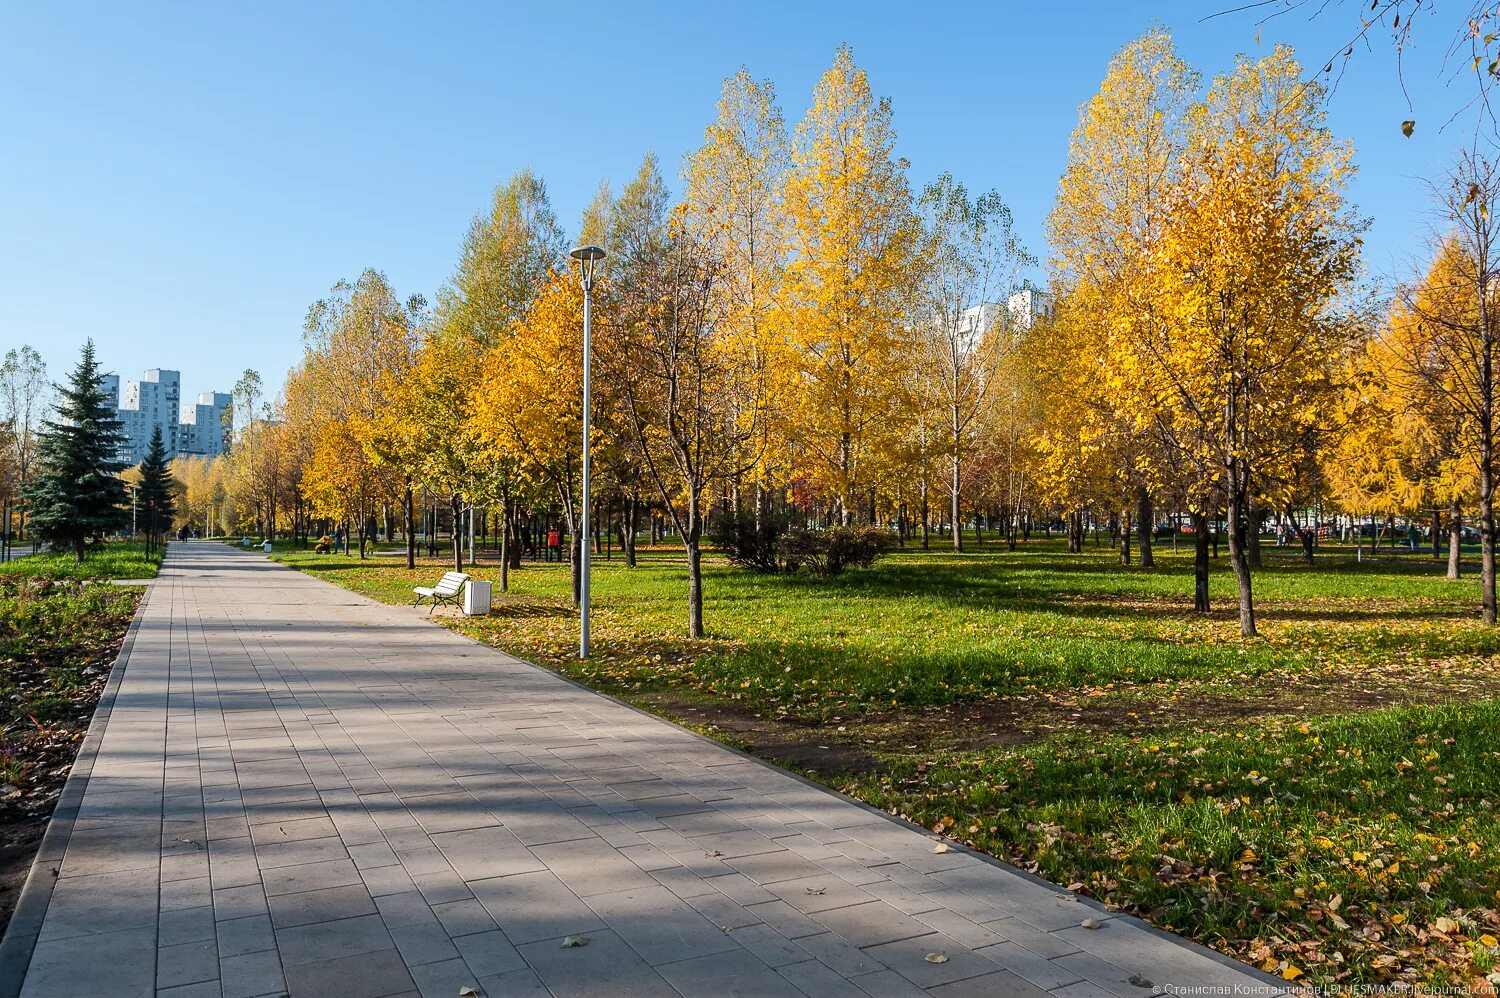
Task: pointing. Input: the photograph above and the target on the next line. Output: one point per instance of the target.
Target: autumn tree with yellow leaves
(1109, 220)
(1251, 273)
(850, 286)
(1443, 348)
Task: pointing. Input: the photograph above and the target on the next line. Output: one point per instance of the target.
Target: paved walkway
(301, 791)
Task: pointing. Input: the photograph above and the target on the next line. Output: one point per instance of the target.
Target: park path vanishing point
(299, 790)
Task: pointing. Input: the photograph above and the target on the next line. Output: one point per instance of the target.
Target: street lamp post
(588, 258)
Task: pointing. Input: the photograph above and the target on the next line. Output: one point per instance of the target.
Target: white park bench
(446, 591)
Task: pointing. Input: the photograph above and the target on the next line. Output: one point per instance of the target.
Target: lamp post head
(588, 258)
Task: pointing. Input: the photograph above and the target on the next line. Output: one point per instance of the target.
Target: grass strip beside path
(61, 626)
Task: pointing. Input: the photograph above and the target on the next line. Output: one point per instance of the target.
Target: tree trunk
(455, 506)
(1487, 525)
(1238, 560)
(1200, 562)
(504, 540)
(1455, 540)
(1125, 538)
(1145, 515)
(628, 519)
(410, 527)
(695, 583)
(958, 534)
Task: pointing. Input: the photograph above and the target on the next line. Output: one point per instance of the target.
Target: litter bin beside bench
(476, 597)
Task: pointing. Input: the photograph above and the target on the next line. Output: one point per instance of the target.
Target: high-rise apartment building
(156, 401)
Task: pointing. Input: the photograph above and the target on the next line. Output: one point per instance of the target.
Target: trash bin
(476, 597)
(266, 547)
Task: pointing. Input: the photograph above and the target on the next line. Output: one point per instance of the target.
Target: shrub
(747, 541)
(828, 552)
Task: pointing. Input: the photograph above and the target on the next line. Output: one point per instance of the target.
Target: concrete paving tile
(442, 887)
(187, 864)
(176, 894)
(737, 974)
(105, 902)
(419, 944)
(187, 963)
(251, 934)
(1030, 967)
(310, 877)
(299, 851)
(463, 918)
(887, 984)
(661, 927)
(1133, 948)
(239, 902)
(387, 880)
(816, 980)
(1104, 973)
(121, 964)
(304, 944)
(1045, 944)
(443, 980)
(818, 893)
(369, 855)
(327, 905)
(775, 868)
(1083, 989)
(956, 926)
(409, 908)
(186, 925)
(723, 911)
(603, 968)
(291, 830)
(996, 985)
(648, 857)
(489, 953)
(684, 882)
(785, 919)
(770, 946)
(839, 954)
(907, 957)
(449, 812)
(872, 923)
(251, 974)
(205, 989)
(376, 974)
(534, 906)
(481, 853)
(588, 870)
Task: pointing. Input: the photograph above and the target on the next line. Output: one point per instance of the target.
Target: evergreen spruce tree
(77, 496)
(157, 500)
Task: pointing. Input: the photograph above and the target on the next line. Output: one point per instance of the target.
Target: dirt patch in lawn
(800, 745)
(856, 745)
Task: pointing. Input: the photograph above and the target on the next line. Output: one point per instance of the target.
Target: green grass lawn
(113, 560)
(61, 625)
(1076, 717)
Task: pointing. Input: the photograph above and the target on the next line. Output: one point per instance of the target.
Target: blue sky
(181, 181)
